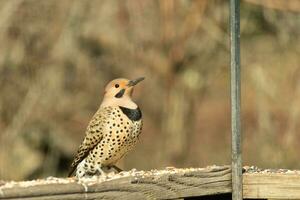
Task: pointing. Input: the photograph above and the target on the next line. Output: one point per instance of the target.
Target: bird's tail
(71, 171)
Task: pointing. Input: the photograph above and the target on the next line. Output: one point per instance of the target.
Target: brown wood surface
(216, 180)
(180, 184)
(271, 185)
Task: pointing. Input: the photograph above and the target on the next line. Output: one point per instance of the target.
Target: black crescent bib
(132, 114)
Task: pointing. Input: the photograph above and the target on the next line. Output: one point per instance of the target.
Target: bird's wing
(93, 136)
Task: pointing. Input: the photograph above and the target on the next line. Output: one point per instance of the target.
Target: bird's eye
(117, 85)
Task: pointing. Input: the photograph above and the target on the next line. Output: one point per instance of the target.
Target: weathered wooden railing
(170, 183)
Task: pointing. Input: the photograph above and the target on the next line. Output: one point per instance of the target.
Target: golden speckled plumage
(109, 136)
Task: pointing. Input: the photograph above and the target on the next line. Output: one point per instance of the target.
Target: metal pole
(236, 155)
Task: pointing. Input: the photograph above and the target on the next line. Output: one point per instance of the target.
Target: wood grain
(271, 186)
(216, 180)
(180, 184)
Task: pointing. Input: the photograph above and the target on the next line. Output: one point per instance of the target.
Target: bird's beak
(135, 81)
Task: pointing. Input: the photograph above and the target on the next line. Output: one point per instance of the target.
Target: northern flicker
(112, 131)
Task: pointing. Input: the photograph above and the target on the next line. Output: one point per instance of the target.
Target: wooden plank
(164, 184)
(173, 185)
(271, 185)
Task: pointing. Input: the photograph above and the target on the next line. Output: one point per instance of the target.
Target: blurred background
(56, 57)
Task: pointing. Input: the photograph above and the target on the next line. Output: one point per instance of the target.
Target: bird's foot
(102, 173)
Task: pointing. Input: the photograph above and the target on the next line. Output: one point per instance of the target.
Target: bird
(112, 132)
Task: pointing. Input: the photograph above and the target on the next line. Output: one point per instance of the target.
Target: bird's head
(119, 91)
